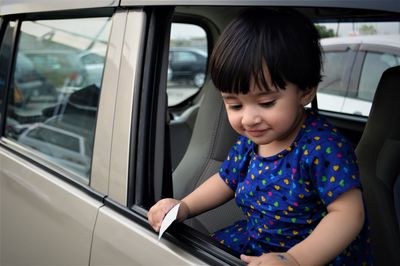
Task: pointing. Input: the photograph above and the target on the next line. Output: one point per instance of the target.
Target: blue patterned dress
(285, 196)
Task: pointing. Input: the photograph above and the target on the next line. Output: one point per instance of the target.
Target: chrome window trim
(128, 80)
(8, 7)
(105, 116)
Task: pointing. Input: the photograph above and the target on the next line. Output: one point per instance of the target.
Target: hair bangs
(233, 75)
(236, 63)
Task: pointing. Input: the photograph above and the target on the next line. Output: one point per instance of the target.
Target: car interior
(201, 137)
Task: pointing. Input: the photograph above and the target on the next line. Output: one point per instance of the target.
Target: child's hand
(282, 259)
(157, 213)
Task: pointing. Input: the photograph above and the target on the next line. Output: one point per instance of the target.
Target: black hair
(284, 41)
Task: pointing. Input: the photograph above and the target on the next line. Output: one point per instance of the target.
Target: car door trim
(128, 79)
(105, 116)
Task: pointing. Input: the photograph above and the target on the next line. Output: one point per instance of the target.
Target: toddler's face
(270, 118)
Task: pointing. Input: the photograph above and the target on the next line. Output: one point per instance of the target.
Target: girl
(292, 173)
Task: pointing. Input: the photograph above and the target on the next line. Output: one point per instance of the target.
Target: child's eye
(268, 104)
(235, 106)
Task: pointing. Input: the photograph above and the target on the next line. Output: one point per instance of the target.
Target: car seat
(209, 145)
(378, 155)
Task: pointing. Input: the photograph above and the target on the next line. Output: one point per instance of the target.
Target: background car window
(187, 66)
(333, 73)
(374, 65)
(351, 74)
(56, 84)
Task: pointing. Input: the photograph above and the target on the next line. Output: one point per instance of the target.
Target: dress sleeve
(234, 168)
(334, 169)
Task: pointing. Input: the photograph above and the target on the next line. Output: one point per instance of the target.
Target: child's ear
(308, 95)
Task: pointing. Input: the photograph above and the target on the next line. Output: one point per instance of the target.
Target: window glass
(187, 66)
(374, 65)
(56, 83)
(332, 75)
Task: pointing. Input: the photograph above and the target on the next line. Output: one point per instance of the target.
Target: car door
(49, 209)
(372, 60)
(338, 63)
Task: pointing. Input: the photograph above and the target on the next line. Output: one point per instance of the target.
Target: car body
(132, 145)
(366, 58)
(188, 64)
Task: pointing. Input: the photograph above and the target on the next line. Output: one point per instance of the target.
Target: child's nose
(250, 117)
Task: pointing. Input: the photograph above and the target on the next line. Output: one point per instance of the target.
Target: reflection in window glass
(187, 64)
(58, 73)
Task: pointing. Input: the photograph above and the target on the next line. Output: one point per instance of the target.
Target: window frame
(210, 30)
(26, 154)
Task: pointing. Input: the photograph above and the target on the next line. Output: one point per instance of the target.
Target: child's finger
(247, 259)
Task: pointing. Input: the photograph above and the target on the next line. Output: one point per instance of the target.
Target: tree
(324, 32)
(367, 30)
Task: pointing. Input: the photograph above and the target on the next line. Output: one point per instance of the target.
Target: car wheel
(198, 79)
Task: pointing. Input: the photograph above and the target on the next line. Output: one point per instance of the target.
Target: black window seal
(149, 165)
(70, 14)
(13, 43)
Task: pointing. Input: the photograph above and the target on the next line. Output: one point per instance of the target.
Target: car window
(374, 65)
(187, 66)
(333, 73)
(56, 89)
(184, 57)
(352, 72)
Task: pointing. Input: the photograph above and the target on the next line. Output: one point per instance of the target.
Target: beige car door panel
(119, 240)
(44, 220)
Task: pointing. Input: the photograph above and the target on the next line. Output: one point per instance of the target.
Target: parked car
(188, 64)
(55, 212)
(353, 66)
(61, 142)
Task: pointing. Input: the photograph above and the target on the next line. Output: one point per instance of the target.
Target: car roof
(389, 40)
(31, 6)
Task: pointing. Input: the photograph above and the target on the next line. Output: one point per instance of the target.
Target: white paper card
(168, 219)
